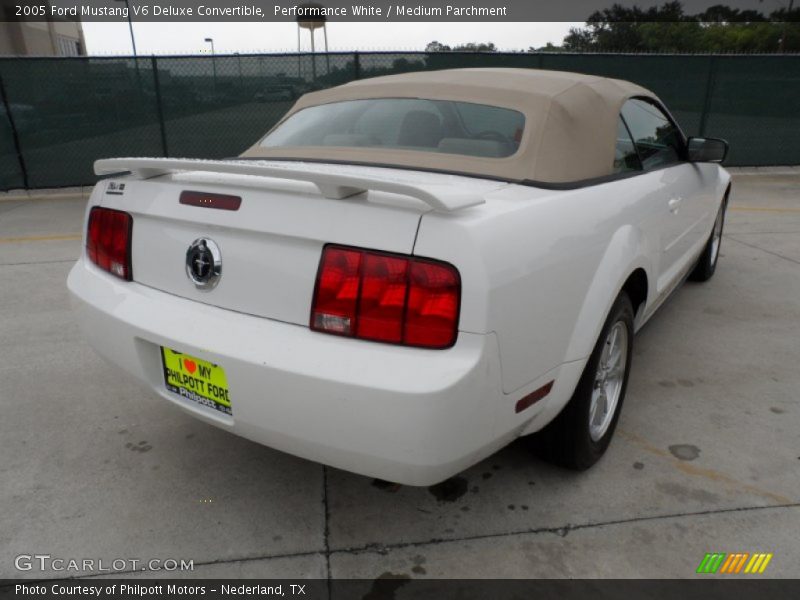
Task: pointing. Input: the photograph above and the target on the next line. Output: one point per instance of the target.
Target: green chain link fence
(58, 115)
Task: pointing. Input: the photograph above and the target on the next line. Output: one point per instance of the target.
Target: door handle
(674, 204)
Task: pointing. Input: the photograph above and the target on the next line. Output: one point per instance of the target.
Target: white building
(46, 38)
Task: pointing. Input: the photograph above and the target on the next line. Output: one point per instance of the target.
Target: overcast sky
(187, 38)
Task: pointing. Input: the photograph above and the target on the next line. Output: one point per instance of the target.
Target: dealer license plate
(197, 380)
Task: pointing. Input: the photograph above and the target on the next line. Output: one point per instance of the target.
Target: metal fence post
(159, 106)
(356, 65)
(14, 135)
(710, 80)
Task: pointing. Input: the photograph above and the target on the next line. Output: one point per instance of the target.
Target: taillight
(108, 241)
(386, 298)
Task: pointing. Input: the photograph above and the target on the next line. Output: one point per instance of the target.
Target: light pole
(133, 45)
(785, 26)
(213, 61)
(130, 25)
(239, 62)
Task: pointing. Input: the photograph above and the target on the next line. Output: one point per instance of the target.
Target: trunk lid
(270, 247)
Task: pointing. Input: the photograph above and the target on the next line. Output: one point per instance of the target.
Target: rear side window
(412, 124)
(626, 158)
(657, 140)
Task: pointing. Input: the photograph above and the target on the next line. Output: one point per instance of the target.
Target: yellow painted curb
(41, 238)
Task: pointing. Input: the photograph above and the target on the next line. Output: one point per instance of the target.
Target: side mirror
(706, 149)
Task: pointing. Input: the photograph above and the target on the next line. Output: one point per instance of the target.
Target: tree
(725, 14)
(435, 46)
(549, 47)
(667, 28)
(476, 47)
(579, 40)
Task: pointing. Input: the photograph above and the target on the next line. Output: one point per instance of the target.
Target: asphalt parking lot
(706, 457)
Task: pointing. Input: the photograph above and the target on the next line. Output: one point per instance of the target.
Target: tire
(570, 440)
(707, 263)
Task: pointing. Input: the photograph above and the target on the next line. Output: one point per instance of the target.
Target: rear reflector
(386, 298)
(108, 241)
(533, 397)
(206, 200)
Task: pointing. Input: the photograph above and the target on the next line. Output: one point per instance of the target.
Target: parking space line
(36, 197)
(41, 238)
(709, 474)
(792, 260)
(38, 262)
(762, 233)
(763, 209)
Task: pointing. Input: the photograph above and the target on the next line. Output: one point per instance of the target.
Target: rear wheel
(707, 263)
(580, 435)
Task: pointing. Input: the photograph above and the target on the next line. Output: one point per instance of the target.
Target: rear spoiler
(333, 181)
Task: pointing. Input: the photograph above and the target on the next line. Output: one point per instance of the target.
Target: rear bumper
(402, 414)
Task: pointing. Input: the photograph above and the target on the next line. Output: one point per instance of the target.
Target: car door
(660, 146)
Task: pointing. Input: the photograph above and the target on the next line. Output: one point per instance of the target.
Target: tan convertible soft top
(570, 122)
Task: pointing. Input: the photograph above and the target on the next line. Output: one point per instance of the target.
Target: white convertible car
(408, 272)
